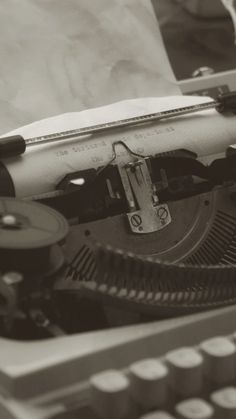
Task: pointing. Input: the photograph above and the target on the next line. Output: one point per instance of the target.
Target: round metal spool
(29, 235)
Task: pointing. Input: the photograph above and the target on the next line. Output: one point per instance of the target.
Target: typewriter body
(145, 236)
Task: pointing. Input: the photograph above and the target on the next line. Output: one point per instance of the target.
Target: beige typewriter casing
(40, 380)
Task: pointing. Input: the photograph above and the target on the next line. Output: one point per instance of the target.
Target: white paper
(41, 168)
(60, 56)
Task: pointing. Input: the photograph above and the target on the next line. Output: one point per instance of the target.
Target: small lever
(146, 215)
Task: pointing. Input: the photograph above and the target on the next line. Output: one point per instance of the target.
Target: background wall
(193, 42)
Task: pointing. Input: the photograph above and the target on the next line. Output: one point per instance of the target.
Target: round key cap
(224, 402)
(160, 414)
(220, 360)
(186, 370)
(149, 382)
(194, 409)
(110, 396)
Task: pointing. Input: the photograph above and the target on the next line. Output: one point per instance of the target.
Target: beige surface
(66, 55)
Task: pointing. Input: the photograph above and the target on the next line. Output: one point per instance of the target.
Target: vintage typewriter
(145, 236)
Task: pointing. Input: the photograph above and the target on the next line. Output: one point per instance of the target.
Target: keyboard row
(222, 405)
(187, 383)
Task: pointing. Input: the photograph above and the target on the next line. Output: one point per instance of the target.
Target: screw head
(136, 220)
(162, 213)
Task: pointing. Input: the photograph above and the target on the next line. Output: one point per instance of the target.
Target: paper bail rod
(15, 145)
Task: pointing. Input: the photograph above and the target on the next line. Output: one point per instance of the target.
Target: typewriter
(145, 236)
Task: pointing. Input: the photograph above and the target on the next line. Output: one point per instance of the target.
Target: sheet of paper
(42, 167)
(60, 56)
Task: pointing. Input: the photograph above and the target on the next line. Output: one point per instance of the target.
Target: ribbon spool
(30, 237)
